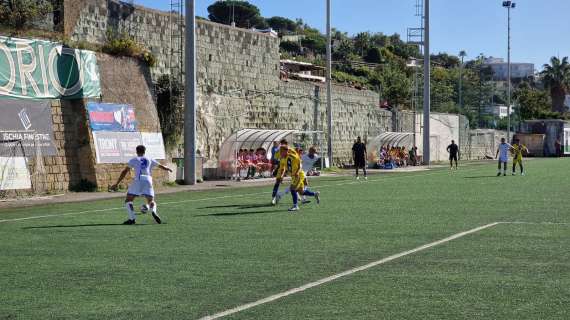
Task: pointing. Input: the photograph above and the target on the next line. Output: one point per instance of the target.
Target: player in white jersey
(503, 155)
(141, 185)
(308, 161)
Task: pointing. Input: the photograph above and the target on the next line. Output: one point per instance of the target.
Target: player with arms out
(280, 170)
(503, 155)
(518, 150)
(453, 150)
(297, 176)
(141, 185)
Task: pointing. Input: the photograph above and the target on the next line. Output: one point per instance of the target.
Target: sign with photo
(154, 145)
(26, 124)
(14, 173)
(111, 117)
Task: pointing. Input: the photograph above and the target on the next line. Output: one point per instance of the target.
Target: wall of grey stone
(238, 80)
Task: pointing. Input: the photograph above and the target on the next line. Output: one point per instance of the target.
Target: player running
(308, 161)
(518, 150)
(453, 150)
(503, 155)
(279, 172)
(141, 185)
(297, 176)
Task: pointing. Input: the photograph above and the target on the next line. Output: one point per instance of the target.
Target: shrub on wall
(20, 14)
(170, 110)
(123, 45)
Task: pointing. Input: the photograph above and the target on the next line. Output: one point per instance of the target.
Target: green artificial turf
(220, 249)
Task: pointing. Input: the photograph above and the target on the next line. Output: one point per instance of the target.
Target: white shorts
(141, 188)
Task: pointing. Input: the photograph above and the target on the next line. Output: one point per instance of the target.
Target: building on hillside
(291, 69)
(292, 38)
(498, 110)
(501, 70)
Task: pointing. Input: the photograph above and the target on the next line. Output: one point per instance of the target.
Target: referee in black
(359, 157)
(453, 150)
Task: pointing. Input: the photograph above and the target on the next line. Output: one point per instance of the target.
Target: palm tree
(556, 77)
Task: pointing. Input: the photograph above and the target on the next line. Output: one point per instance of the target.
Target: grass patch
(222, 248)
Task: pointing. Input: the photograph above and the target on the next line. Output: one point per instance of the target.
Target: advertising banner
(154, 145)
(38, 69)
(111, 117)
(26, 123)
(119, 147)
(14, 174)
(116, 147)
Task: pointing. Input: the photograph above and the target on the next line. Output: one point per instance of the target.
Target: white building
(501, 70)
(500, 111)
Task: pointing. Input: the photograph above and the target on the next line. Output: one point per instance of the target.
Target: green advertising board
(38, 69)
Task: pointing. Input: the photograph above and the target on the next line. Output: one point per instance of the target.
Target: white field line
(205, 199)
(344, 274)
(547, 223)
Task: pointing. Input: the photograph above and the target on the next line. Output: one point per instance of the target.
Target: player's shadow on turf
(241, 206)
(83, 225)
(481, 177)
(235, 213)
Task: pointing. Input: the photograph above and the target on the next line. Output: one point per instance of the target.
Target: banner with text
(33, 69)
(14, 173)
(111, 117)
(154, 145)
(27, 124)
(119, 147)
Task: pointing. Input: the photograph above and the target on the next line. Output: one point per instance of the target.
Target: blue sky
(540, 28)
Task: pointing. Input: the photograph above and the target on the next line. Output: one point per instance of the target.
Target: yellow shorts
(517, 160)
(298, 183)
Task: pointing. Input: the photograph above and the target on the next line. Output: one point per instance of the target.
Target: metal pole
(329, 86)
(461, 85)
(509, 76)
(190, 96)
(427, 77)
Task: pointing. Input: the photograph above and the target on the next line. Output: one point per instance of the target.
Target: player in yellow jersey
(280, 170)
(518, 149)
(291, 157)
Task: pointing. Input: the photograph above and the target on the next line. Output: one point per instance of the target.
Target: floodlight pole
(427, 86)
(190, 95)
(509, 5)
(329, 87)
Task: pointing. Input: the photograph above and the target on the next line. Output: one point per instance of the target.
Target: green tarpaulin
(37, 69)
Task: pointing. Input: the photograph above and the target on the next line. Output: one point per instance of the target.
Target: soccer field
(432, 245)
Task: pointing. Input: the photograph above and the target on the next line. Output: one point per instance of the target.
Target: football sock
(309, 193)
(153, 206)
(295, 198)
(275, 189)
(130, 210)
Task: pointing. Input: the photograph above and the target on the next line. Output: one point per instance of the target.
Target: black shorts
(452, 157)
(360, 162)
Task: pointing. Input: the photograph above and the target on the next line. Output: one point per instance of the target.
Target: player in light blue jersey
(503, 155)
(142, 183)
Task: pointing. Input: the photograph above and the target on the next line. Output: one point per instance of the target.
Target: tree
(362, 43)
(244, 14)
(290, 47)
(395, 85)
(445, 60)
(533, 103)
(20, 13)
(373, 55)
(556, 77)
(282, 24)
(170, 110)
